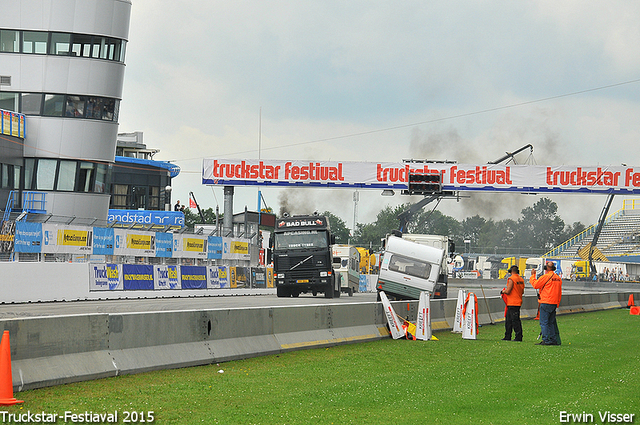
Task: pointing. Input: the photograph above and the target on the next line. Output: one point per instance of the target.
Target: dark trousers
(513, 323)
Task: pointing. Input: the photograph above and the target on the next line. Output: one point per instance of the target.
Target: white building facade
(62, 64)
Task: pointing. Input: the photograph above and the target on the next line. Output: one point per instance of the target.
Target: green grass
(450, 381)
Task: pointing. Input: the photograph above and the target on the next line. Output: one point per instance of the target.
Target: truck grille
(285, 262)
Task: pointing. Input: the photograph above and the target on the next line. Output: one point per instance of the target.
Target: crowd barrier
(55, 350)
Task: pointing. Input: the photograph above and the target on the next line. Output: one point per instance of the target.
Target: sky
(463, 81)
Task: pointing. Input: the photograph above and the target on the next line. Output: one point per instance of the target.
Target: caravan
(409, 268)
(346, 262)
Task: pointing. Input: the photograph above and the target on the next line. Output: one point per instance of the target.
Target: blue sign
(102, 241)
(164, 244)
(28, 237)
(193, 277)
(163, 218)
(363, 283)
(137, 277)
(215, 248)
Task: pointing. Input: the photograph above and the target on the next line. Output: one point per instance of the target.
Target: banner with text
(103, 240)
(164, 245)
(129, 242)
(190, 246)
(59, 238)
(105, 277)
(28, 237)
(193, 277)
(137, 277)
(166, 277)
(455, 177)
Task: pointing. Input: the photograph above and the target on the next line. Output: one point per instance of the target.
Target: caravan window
(409, 266)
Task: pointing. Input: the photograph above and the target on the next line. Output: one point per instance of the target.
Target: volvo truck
(302, 256)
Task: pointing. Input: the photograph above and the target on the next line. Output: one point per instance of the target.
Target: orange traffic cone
(635, 310)
(6, 381)
(630, 303)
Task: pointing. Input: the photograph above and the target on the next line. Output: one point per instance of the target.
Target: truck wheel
(351, 292)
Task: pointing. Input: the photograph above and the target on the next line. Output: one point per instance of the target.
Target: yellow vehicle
(581, 270)
(508, 262)
(367, 260)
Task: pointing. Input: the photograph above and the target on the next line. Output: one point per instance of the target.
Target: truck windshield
(301, 239)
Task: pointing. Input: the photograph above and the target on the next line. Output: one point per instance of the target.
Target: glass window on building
(94, 108)
(9, 101)
(9, 41)
(29, 166)
(34, 42)
(75, 106)
(118, 53)
(108, 109)
(67, 176)
(101, 178)
(139, 197)
(84, 176)
(97, 43)
(119, 197)
(5, 176)
(31, 103)
(81, 45)
(53, 105)
(154, 198)
(60, 44)
(16, 176)
(46, 174)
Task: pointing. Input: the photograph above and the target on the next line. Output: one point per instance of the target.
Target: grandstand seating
(620, 235)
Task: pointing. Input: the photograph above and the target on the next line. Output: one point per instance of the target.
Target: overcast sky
(385, 81)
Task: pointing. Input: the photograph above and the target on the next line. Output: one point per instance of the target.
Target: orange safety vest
(514, 297)
(550, 286)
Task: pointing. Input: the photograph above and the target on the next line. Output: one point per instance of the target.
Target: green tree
(191, 218)
(338, 228)
(433, 222)
(369, 235)
(471, 229)
(569, 232)
(540, 227)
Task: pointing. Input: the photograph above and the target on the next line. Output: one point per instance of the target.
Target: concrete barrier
(62, 349)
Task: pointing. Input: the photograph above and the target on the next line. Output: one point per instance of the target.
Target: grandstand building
(62, 66)
(619, 238)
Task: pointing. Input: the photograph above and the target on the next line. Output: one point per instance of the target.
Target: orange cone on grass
(635, 310)
(630, 303)
(6, 381)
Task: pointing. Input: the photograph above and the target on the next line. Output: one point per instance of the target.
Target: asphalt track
(250, 298)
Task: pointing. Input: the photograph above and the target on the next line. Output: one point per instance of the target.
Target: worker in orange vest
(550, 294)
(513, 292)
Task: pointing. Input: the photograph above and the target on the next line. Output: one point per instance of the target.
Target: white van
(408, 268)
(346, 264)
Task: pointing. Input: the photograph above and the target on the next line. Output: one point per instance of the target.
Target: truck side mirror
(333, 240)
